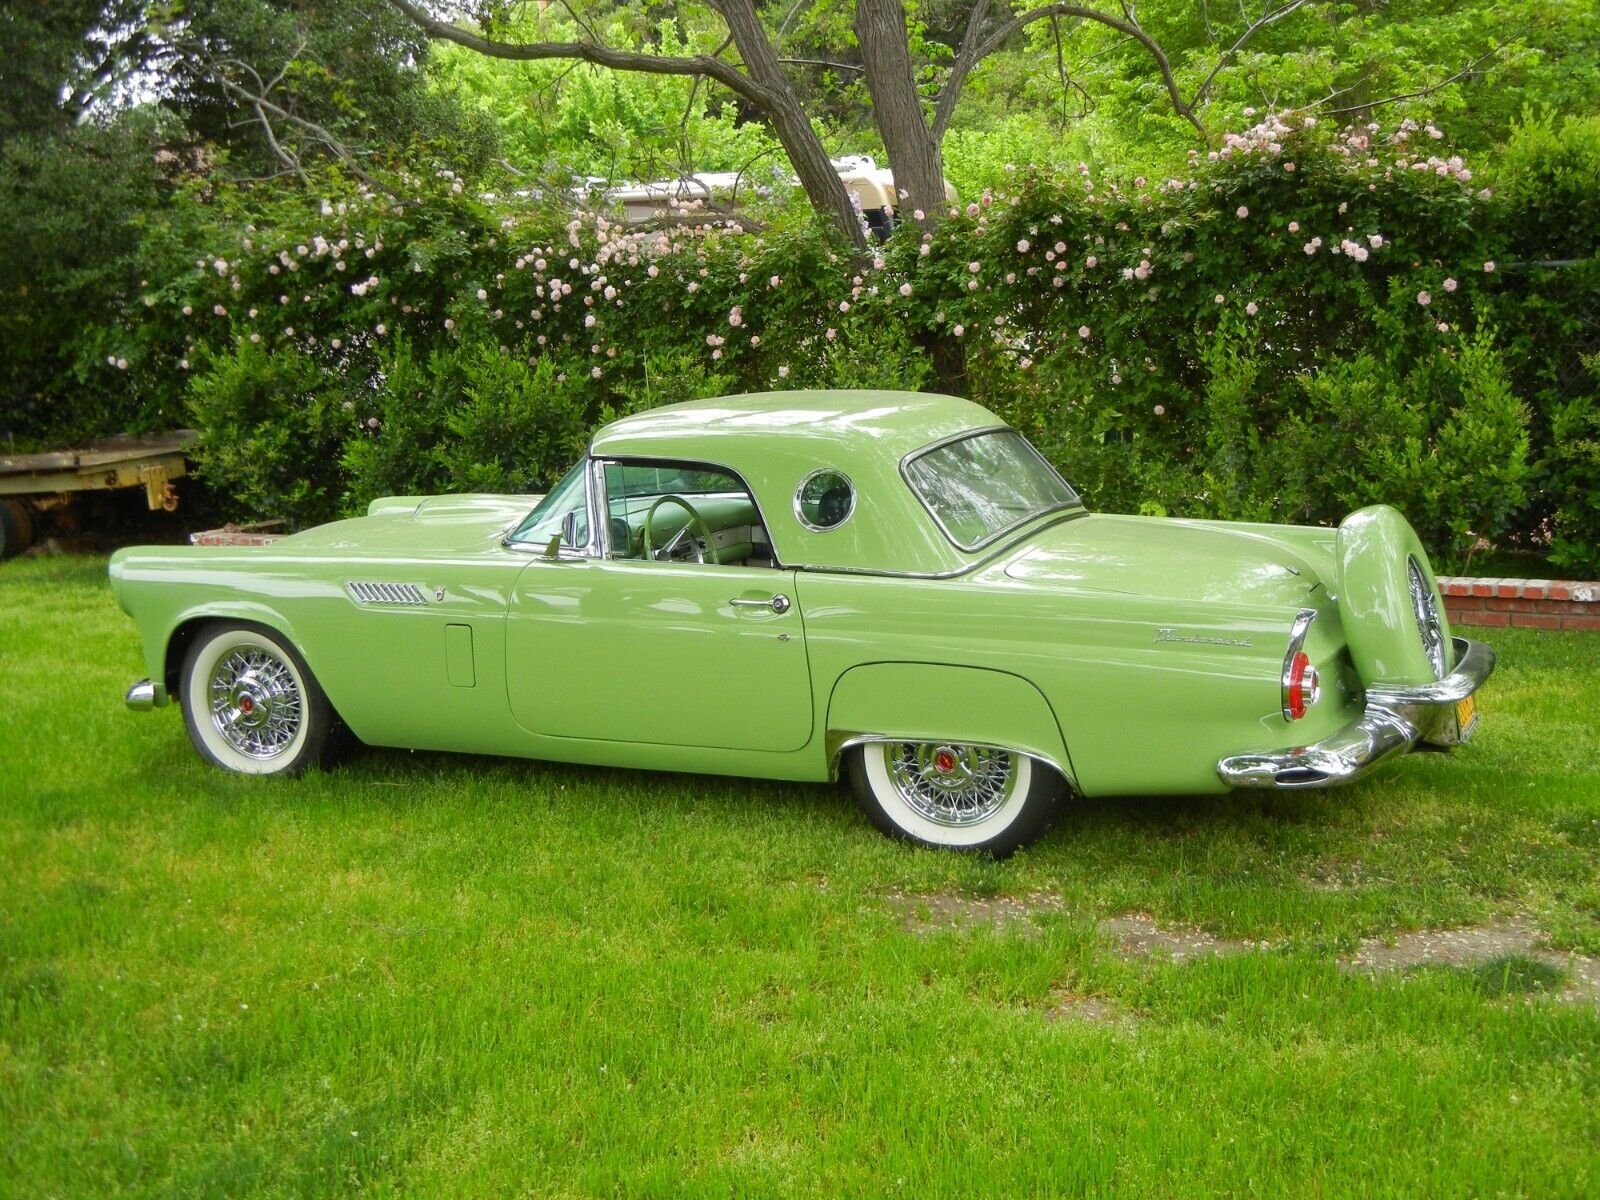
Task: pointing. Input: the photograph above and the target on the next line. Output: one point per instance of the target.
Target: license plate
(1466, 716)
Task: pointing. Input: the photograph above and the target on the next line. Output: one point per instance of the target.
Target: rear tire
(953, 796)
(250, 703)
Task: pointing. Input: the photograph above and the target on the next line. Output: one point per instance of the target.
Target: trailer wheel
(16, 528)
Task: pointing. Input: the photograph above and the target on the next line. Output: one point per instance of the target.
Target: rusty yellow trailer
(31, 483)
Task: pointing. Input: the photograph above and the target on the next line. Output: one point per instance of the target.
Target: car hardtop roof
(846, 429)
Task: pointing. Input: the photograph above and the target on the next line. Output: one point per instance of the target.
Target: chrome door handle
(778, 604)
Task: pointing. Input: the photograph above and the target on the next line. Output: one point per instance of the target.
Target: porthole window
(824, 500)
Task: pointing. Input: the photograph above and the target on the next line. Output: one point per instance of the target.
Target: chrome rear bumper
(1396, 718)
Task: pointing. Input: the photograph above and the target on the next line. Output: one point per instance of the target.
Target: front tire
(250, 703)
(953, 796)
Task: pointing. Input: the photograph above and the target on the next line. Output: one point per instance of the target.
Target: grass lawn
(429, 976)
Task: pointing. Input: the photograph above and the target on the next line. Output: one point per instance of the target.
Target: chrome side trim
(1395, 719)
(141, 696)
(840, 740)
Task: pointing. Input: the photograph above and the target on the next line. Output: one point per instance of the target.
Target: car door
(659, 652)
(632, 649)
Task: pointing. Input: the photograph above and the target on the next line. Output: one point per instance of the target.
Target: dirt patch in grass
(1139, 936)
(935, 912)
(1508, 955)
(1136, 935)
(1073, 1009)
(1336, 875)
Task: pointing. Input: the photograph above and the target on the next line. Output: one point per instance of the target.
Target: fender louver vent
(386, 593)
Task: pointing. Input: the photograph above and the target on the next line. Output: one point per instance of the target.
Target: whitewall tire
(250, 703)
(954, 796)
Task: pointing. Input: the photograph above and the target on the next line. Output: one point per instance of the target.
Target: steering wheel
(696, 521)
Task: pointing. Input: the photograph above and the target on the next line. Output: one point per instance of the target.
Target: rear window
(982, 485)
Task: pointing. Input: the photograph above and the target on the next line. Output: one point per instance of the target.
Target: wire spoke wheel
(956, 795)
(250, 703)
(951, 785)
(256, 703)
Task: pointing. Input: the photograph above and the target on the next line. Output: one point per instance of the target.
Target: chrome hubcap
(950, 784)
(255, 702)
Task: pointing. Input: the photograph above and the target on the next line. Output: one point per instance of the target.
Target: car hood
(445, 524)
(1278, 565)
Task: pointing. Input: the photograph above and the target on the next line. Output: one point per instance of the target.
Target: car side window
(683, 512)
(824, 500)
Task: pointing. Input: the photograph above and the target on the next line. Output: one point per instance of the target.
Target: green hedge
(1305, 321)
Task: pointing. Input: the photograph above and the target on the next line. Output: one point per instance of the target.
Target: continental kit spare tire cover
(1389, 600)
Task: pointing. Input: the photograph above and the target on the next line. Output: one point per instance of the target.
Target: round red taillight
(1304, 687)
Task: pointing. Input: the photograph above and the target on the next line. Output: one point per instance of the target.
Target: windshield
(982, 485)
(568, 496)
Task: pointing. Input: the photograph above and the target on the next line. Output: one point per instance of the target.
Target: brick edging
(1522, 603)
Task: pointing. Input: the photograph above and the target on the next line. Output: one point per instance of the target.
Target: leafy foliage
(1237, 333)
(1301, 323)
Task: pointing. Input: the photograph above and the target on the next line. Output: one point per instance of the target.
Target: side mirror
(568, 536)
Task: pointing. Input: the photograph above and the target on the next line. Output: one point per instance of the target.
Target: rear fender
(936, 702)
(1372, 551)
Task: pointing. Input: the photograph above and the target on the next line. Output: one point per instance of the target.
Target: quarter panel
(1147, 692)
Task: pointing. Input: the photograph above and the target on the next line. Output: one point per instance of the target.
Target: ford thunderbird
(892, 587)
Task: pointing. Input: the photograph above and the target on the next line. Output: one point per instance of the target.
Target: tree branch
(822, 62)
(265, 108)
(600, 55)
(951, 92)
(970, 56)
(972, 52)
(1227, 56)
(1427, 91)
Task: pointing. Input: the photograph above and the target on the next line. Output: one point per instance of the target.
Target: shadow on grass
(1516, 974)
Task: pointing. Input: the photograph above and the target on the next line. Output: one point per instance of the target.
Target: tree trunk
(807, 155)
(913, 153)
(880, 27)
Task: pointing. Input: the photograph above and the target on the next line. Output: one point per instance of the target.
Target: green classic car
(890, 586)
